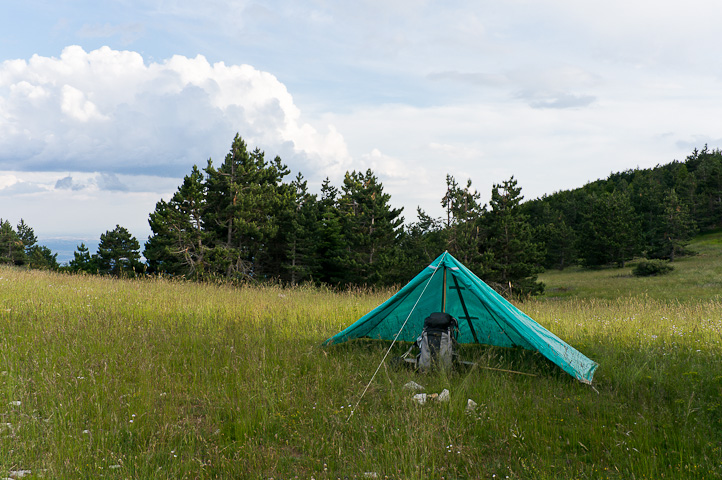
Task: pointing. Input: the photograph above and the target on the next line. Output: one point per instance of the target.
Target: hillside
(695, 277)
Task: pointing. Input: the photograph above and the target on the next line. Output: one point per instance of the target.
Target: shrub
(647, 268)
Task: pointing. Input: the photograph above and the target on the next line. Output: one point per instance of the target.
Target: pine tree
(298, 234)
(463, 227)
(514, 255)
(611, 230)
(41, 258)
(419, 244)
(118, 253)
(331, 249)
(674, 228)
(82, 260)
(12, 250)
(243, 196)
(27, 236)
(370, 227)
(178, 245)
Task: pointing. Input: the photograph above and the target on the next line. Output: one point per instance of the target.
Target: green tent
(484, 316)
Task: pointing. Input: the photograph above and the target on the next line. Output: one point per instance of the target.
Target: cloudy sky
(105, 106)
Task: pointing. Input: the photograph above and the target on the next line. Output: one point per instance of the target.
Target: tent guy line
(393, 342)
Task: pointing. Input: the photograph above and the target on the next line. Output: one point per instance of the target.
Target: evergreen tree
(118, 253)
(178, 244)
(463, 224)
(12, 250)
(27, 236)
(646, 194)
(243, 196)
(611, 230)
(299, 234)
(419, 244)
(40, 257)
(708, 194)
(331, 249)
(514, 255)
(82, 260)
(370, 227)
(558, 241)
(674, 228)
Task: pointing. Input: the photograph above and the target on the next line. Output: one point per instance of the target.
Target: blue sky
(105, 106)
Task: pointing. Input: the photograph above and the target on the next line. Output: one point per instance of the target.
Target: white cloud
(107, 110)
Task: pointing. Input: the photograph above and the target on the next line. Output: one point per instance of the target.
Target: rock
(444, 396)
(413, 386)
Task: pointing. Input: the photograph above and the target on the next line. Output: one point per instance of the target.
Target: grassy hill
(111, 378)
(696, 277)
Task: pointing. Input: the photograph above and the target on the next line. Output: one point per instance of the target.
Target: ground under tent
(484, 317)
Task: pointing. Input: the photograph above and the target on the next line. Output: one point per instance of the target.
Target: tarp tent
(484, 316)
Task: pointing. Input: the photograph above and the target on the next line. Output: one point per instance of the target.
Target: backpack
(437, 342)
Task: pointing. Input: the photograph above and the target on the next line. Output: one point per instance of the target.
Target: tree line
(243, 220)
(641, 212)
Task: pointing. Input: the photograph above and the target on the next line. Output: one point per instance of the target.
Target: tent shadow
(505, 360)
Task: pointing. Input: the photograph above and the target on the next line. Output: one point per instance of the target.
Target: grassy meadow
(108, 378)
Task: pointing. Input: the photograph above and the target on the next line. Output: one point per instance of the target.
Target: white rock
(470, 406)
(420, 398)
(413, 386)
(18, 473)
(444, 396)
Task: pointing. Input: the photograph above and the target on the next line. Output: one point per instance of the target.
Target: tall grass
(161, 379)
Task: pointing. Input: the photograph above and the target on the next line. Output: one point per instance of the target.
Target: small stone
(413, 386)
(444, 396)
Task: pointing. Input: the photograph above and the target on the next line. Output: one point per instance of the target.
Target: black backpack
(437, 342)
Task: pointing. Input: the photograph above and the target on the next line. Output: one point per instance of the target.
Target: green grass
(696, 277)
(159, 379)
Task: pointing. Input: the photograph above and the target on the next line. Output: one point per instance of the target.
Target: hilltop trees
(82, 261)
(243, 221)
(369, 227)
(514, 254)
(118, 253)
(19, 247)
(179, 245)
(610, 232)
(463, 223)
(242, 196)
(12, 250)
(673, 229)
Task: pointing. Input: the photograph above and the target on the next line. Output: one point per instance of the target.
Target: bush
(647, 268)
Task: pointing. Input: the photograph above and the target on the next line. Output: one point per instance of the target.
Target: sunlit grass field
(107, 378)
